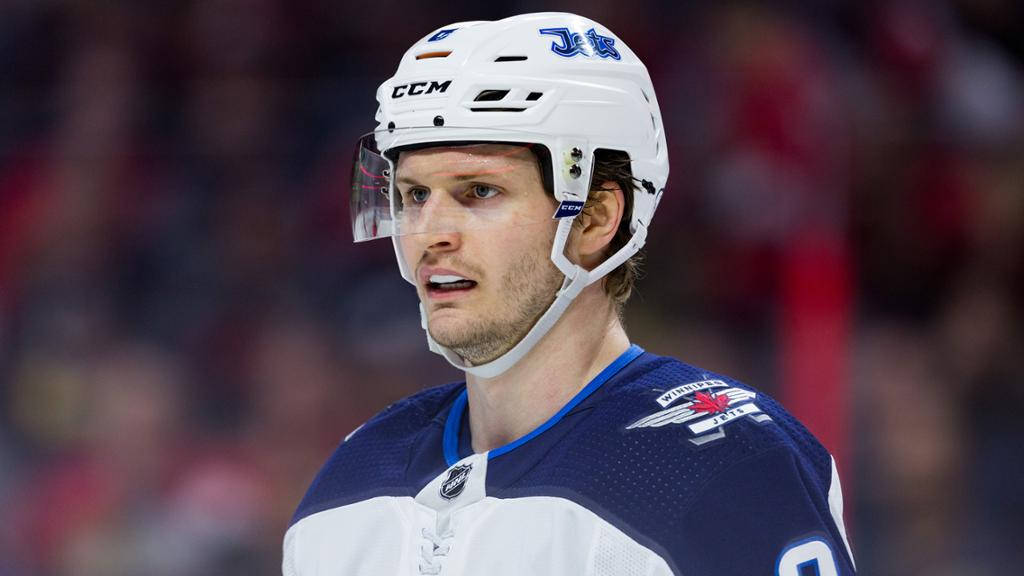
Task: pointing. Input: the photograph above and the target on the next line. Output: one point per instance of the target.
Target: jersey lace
(433, 548)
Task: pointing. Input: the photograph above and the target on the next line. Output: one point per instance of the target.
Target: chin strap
(576, 279)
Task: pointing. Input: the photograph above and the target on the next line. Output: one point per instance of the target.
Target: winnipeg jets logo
(589, 44)
(712, 404)
(456, 481)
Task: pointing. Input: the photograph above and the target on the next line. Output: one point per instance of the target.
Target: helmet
(557, 80)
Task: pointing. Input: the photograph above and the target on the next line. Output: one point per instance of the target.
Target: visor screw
(391, 126)
(575, 171)
(386, 173)
(576, 154)
(438, 120)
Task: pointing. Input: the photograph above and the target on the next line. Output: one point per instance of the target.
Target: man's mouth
(443, 283)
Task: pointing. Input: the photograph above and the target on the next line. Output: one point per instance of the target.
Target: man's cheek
(409, 251)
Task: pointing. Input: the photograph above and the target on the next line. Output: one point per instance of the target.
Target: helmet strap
(576, 279)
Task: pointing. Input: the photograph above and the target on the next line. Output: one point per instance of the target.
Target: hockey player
(516, 166)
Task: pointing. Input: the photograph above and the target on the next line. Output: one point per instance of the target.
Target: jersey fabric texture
(654, 468)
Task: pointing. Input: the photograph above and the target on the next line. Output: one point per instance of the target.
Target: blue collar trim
(454, 421)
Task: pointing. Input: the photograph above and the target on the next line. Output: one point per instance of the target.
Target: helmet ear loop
(576, 275)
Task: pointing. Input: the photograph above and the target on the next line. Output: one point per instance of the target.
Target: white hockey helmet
(557, 80)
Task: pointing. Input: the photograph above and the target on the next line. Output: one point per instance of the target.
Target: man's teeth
(449, 282)
(445, 279)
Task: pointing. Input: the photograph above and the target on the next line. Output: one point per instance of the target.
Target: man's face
(478, 241)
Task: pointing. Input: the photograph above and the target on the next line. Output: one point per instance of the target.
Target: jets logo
(710, 406)
(455, 483)
(590, 44)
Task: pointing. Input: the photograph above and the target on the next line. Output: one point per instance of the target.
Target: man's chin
(474, 347)
(448, 331)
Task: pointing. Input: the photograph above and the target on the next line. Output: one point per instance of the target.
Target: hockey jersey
(655, 468)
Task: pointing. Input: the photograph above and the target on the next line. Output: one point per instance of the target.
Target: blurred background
(186, 329)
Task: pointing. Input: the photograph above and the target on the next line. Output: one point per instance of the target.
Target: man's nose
(440, 222)
(443, 241)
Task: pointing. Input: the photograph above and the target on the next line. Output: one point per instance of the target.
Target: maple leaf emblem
(710, 403)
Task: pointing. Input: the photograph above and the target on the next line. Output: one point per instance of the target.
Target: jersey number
(812, 557)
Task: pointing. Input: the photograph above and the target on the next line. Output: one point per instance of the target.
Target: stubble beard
(528, 288)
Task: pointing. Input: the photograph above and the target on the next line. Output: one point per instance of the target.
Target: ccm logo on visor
(417, 88)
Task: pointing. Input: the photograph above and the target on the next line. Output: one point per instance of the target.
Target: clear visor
(446, 179)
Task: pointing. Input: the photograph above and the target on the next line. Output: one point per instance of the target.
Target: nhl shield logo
(456, 481)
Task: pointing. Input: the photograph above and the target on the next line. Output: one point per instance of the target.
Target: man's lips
(442, 283)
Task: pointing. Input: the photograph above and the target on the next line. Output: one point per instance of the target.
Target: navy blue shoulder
(697, 410)
(659, 440)
(678, 421)
(373, 460)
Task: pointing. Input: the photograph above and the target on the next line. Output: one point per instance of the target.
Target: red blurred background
(186, 330)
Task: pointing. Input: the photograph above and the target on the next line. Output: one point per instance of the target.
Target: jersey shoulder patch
(698, 404)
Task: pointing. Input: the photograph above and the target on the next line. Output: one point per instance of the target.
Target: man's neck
(583, 342)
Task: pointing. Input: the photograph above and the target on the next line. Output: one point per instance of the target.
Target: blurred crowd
(186, 329)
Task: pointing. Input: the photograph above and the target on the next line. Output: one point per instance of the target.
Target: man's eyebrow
(461, 177)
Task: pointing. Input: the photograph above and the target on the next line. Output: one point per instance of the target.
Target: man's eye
(419, 195)
(482, 192)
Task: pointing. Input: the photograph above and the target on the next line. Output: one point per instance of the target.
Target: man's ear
(596, 226)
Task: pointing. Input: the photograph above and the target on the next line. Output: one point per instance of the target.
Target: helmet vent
(504, 100)
(441, 54)
(510, 58)
(490, 95)
(497, 109)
